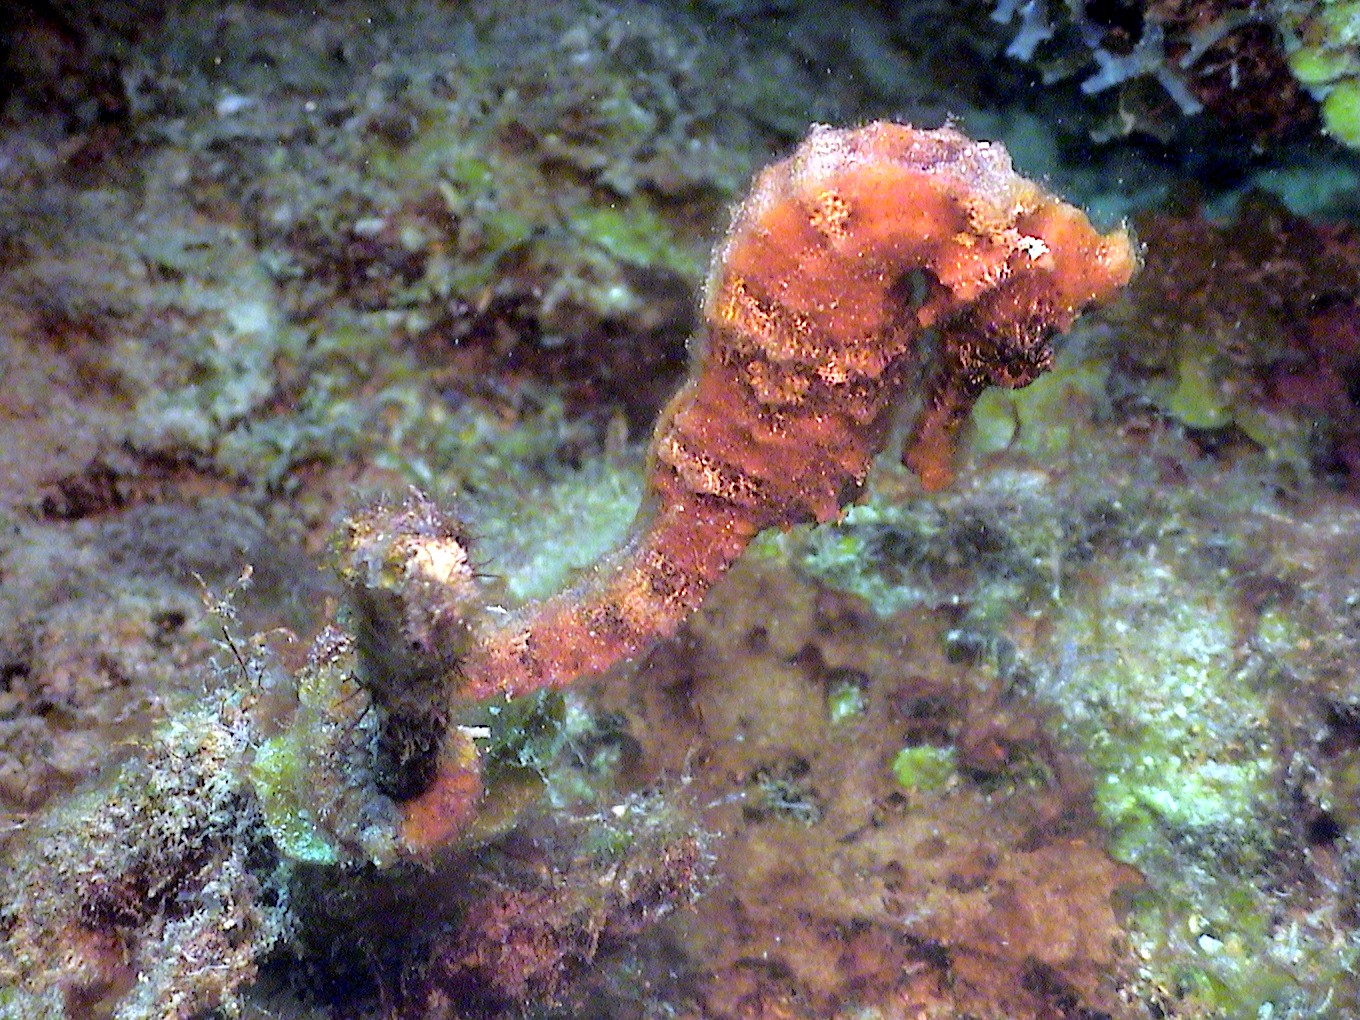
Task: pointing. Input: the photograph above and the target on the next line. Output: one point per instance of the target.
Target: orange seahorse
(873, 261)
(871, 258)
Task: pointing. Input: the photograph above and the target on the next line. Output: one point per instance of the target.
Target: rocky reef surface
(1076, 736)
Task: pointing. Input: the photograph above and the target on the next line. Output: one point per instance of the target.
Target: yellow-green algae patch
(1046, 420)
(278, 775)
(635, 233)
(1150, 686)
(924, 768)
(1153, 692)
(1323, 39)
(845, 702)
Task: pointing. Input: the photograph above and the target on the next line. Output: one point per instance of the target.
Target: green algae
(281, 781)
(433, 144)
(20, 1004)
(1197, 399)
(1046, 421)
(1175, 735)
(524, 733)
(845, 702)
(1186, 784)
(635, 232)
(987, 555)
(1324, 46)
(924, 768)
(523, 528)
(1341, 112)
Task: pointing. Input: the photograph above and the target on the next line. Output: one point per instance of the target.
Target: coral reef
(998, 266)
(1150, 652)
(1232, 59)
(1159, 646)
(1072, 736)
(107, 637)
(541, 919)
(1324, 55)
(1265, 338)
(159, 900)
(852, 881)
